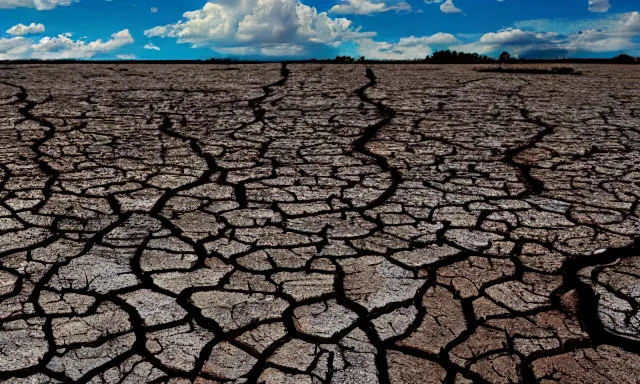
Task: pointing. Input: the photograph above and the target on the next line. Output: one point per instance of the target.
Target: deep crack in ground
(318, 224)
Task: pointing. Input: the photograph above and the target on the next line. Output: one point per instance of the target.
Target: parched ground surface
(318, 224)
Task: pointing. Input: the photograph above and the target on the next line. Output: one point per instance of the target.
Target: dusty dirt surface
(318, 224)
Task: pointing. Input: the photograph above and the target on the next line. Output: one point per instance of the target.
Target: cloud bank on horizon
(273, 29)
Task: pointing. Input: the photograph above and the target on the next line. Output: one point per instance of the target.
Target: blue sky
(290, 29)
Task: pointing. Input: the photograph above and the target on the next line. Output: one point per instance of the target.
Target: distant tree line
(454, 57)
(221, 60)
(438, 57)
(349, 59)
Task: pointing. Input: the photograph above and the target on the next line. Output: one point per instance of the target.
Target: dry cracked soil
(318, 224)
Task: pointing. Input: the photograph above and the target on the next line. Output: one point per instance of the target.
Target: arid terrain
(318, 224)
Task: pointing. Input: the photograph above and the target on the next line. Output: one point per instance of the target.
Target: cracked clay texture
(318, 224)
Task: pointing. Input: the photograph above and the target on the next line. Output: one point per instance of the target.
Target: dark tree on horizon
(454, 57)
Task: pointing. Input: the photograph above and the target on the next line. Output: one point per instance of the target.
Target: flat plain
(318, 224)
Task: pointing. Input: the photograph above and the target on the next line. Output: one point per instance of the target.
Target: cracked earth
(318, 224)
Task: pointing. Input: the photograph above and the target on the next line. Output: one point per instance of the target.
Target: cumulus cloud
(379, 50)
(446, 6)
(235, 26)
(436, 39)
(40, 5)
(21, 29)
(368, 7)
(599, 5)
(629, 23)
(620, 35)
(514, 40)
(449, 7)
(15, 48)
(62, 46)
(407, 48)
(515, 36)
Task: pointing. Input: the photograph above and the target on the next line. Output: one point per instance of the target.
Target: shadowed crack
(535, 186)
(370, 132)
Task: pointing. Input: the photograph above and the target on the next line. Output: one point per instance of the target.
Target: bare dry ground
(318, 224)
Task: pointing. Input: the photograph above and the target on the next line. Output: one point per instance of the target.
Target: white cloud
(152, 47)
(630, 23)
(265, 50)
(40, 5)
(367, 7)
(513, 40)
(61, 47)
(407, 48)
(596, 41)
(126, 57)
(229, 25)
(14, 48)
(449, 7)
(282, 50)
(378, 50)
(21, 29)
(622, 23)
(436, 39)
(153, 10)
(270, 22)
(514, 36)
(609, 34)
(608, 37)
(599, 5)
